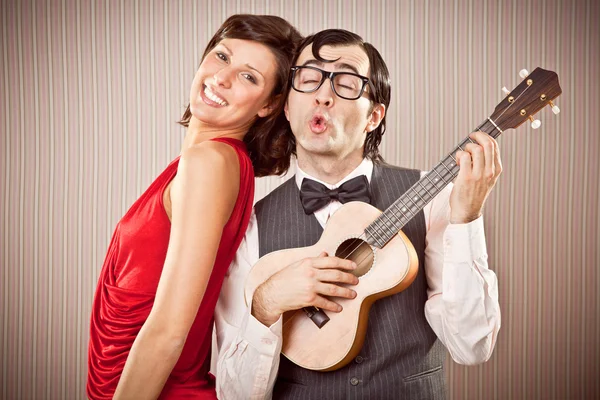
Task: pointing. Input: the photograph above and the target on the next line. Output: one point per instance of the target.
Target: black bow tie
(315, 195)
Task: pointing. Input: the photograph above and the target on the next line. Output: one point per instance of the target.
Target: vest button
(354, 381)
(359, 359)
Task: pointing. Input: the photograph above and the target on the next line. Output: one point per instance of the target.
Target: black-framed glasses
(347, 85)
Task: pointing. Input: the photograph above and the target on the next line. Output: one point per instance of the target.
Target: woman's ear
(269, 107)
(286, 111)
(376, 116)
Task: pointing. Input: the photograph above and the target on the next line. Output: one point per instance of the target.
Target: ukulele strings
(362, 236)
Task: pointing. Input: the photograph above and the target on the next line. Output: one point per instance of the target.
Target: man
(337, 116)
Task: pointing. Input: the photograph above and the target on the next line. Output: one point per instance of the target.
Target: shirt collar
(364, 168)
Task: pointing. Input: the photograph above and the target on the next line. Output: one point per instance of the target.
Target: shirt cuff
(264, 339)
(464, 243)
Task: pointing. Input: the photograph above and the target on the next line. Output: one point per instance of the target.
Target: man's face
(325, 124)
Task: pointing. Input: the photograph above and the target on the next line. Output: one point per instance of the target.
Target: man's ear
(376, 116)
(269, 107)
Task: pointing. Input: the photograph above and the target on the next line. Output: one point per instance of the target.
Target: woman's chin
(206, 119)
(205, 116)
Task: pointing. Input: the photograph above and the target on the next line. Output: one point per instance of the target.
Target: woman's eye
(250, 78)
(222, 56)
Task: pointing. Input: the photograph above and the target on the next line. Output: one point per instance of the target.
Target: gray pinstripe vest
(402, 357)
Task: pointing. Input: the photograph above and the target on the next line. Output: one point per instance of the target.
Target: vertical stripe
(166, 78)
(411, 38)
(555, 227)
(426, 86)
(20, 264)
(153, 84)
(455, 71)
(126, 132)
(353, 16)
(180, 57)
(36, 195)
(584, 226)
(110, 124)
(79, 233)
(396, 93)
(138, 73)
(65, 226)
(195, 36)
(570, 229)
(511, 200)
(597, 244)
(50, 338)
(441, 56)
(526, 201)
(94, 264)
(6, 211)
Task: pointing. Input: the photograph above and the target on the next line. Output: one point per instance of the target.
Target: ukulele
(386, 261)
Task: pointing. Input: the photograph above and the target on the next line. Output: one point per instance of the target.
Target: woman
(152, 315)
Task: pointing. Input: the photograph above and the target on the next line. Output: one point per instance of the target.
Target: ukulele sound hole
(358, 251)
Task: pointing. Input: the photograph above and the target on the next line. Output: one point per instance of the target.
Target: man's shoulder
(277, 192)
(396, 168)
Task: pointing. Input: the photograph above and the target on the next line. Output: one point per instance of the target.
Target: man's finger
(477, 155)
(335, 275)
(331, 290)
(463, 159)
(326, 305)
(333, 262)
(497, 161)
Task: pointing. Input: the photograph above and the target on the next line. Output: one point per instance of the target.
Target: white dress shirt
(462, 306)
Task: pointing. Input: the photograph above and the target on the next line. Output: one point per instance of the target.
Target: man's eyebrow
(341, 65)
(312, 61)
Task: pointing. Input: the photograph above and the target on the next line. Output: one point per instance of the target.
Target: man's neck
(328, 169)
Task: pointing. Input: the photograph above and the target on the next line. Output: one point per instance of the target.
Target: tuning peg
(505, 90)
(523, 73)
(535, 123)
(555, 108)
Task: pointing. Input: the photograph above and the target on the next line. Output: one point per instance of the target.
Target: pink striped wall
(90, 91)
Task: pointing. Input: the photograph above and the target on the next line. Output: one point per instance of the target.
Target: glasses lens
(307, 79)
(347, 85)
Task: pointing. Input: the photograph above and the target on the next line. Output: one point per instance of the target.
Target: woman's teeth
(214, 97)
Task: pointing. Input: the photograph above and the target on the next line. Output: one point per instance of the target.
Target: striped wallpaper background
(90, 94)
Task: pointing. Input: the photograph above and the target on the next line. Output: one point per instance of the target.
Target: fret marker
(415, 198)
(403, 208)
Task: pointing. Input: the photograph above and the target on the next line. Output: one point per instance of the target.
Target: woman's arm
(203, 195)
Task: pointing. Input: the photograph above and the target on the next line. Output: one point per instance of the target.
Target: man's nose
(324, 96)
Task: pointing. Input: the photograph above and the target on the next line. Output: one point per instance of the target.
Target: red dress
(129, 279)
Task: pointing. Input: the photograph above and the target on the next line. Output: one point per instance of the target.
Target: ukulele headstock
(536, 91)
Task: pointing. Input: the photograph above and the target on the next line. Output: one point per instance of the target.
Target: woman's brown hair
(269, 145)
